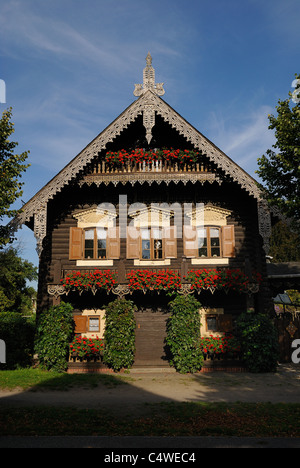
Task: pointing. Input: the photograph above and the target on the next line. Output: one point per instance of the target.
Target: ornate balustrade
(104, 167)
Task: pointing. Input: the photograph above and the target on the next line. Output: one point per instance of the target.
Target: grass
(37, 379)
(163, 419)
(168, 419)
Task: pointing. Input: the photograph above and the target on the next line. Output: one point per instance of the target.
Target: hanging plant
(78, 281)
(146, 280)
(139, 155)
(229, 279)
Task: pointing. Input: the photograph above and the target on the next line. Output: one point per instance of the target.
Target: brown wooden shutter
(170, 242)
(76, 243)
(80, 323)
(113, 243)
(133, 243)
(228, 241)
(224, 323)
(190, 241)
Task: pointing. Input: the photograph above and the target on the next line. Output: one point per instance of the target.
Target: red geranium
(99, 279)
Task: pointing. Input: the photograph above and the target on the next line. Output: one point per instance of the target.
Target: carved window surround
(94, 217)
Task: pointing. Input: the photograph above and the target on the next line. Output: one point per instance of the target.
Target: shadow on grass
(218, 404)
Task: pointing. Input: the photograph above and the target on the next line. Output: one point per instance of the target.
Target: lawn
(163, 419)
(168, 419)
(37, 379)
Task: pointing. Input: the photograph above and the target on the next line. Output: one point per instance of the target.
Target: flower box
(86, 349)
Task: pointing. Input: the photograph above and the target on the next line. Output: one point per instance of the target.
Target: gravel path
(132, 391)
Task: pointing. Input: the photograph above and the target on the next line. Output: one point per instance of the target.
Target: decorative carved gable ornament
(149, 85)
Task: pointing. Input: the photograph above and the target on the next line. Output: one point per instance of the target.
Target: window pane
(146, 249)
(146, 244)
(101, 233)
(158, 249)
(101, 242)
(157, 244)
(145, 234)
(94, 324)
(211, 323)
(215, 242)
(89, 244)
(157, 233)
(202, 242)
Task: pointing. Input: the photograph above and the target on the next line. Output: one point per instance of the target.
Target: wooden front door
(151, 332)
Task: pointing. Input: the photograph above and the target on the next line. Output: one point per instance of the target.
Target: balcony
(155, 166)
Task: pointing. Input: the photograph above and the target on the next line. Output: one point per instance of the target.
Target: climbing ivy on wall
(119, 335)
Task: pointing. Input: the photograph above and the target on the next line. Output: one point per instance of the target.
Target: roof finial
(149, 81)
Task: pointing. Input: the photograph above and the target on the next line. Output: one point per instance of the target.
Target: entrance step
(154, 370)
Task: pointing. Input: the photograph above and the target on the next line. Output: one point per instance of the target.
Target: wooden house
(151, 205)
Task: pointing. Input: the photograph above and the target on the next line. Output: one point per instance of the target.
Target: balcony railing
(103, 167)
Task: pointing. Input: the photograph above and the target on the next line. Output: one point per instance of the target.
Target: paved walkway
(131, 391)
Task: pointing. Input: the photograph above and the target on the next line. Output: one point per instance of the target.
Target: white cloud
(244, 140)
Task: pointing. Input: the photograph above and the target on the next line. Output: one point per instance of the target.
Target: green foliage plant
(119, 335)
(15, 294)
(18, 334)
(11, 168)
(280, 169)
(54, 333)
(183, 334)
(259, 342)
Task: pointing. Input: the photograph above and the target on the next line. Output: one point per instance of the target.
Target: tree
(15, 294)
(280, 170)
(284, 244)
(11, 167)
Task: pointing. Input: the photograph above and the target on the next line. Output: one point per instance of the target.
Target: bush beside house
(259, 342)
(18, 334)
(55, 329)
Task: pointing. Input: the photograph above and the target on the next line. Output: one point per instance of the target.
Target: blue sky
(70, 68)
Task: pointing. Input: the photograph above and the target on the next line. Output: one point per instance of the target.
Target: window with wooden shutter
(133, 243)
(170, 242)
(76, 243)
(228, 241)
(190, 241)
